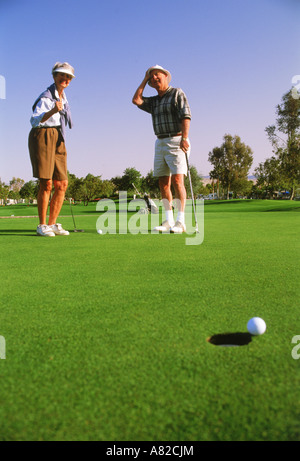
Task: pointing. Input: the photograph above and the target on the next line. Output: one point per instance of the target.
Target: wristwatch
(184, 139)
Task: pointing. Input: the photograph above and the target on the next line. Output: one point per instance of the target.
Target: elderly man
(171, 117)
(51, 114)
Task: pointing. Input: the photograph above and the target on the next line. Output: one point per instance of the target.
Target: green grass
(106, 336)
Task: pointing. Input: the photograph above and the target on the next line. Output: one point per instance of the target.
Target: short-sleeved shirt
(167, 111)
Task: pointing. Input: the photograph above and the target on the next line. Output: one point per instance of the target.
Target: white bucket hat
(157, 67)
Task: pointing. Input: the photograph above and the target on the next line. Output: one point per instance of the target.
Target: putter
(192, 193)
(75, 230)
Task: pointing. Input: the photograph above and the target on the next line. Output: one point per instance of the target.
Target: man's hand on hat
(146, 78)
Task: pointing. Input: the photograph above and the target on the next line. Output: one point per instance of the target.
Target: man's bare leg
(180, 197)
(180, 192)
(165, 190)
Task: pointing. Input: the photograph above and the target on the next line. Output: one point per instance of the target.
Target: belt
(168, 135)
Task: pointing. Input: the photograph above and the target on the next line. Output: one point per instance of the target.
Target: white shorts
(169, 157)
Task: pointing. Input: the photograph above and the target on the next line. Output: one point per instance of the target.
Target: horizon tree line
(231, 165)
(92, 187)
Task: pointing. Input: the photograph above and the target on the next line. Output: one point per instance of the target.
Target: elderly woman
(51, 114)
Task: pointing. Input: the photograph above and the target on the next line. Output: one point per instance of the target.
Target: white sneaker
(44, 231)
(164, 227)
(179, 228)
(58, 230)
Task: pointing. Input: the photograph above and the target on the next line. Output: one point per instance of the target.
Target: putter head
(78, 230)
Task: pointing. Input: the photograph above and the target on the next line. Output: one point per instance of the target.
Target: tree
(286, 147)
(150, 185)
(232, 162)
(216, 159)
(29, 190)
(15, 185)
(90, 188)
(117, 182)
(74, 187)
(269, 177)
(107, 188)
(4, 191)
(197, 183)
(131, 175)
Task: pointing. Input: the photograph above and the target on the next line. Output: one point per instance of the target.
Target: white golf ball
(99, 231)
(256, 326)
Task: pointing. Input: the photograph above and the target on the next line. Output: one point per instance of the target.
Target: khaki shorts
(169, 157)
(48, 154)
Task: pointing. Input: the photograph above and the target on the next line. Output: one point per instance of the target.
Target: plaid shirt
(167, 111)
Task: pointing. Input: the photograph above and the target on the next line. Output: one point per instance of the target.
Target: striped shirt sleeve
(182, 105)
(167, 111)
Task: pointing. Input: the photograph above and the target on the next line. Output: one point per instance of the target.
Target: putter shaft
(75, 229)
(192, 193)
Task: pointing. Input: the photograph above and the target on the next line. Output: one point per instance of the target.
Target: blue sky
(233, 58)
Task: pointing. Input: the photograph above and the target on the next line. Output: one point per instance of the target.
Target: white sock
(180, 217)
(170, 217)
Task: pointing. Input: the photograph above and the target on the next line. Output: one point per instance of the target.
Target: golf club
(75, 230)
(192, 193)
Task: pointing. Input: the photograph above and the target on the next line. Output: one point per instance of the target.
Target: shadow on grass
(18, 232)
(32, 233)
(283, 209)
(230, 339)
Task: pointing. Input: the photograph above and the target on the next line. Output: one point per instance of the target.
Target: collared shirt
(43, 106)
(167, 111)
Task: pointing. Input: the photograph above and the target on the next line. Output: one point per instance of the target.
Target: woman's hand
(58, 106)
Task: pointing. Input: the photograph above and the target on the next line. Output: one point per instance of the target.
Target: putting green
(106, 335)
